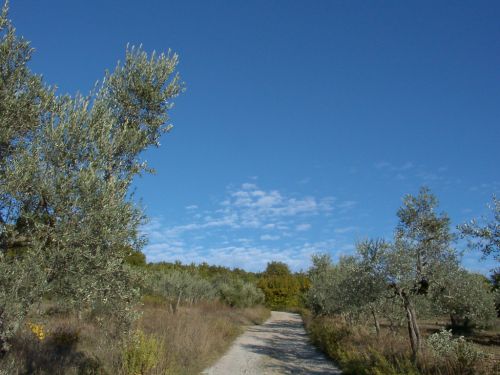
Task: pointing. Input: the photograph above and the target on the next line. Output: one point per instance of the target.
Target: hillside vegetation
(76, 294)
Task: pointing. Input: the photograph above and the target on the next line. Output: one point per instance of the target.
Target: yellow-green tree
(282, 288)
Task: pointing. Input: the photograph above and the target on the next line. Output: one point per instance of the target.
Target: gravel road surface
(279, 346)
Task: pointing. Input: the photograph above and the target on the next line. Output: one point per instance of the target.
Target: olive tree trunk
(413, 329)
(375, 321)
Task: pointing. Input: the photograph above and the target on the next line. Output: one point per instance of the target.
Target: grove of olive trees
(414, 276)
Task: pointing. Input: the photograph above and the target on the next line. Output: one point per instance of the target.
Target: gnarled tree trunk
(413, 329)
(375, 321)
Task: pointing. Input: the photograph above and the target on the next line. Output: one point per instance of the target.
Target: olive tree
(485, 237)
(419, 257)
(22, 99)
(239, 293)
(467, 298)
(324, 283)
(179, 286)
(67, 221)
(334, 287)
(355, 285)
(371, 278)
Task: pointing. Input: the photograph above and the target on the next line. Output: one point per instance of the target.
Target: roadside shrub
(54, 348)
(329, 336)
(465, 354)
(356, 351)
(21, 282)
(141, 354)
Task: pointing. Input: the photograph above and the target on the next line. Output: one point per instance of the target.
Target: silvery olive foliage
(421, 256)
(182, 287)
(467, 298)
(444, 346)
(22, 97)
(485, 237)
(239, 293)
(326, 278)
(179, 287)
(66, 165)
(418, 272)
(334, 287)
(422, 245)
(349, 285)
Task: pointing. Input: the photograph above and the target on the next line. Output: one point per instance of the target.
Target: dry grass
(186, 342)
(359, 351)
(195, 337)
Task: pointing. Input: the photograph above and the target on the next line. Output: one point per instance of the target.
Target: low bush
(141, 354)
(458, 352)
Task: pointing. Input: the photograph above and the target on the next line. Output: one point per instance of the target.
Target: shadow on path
(290, 349)
(279, 346)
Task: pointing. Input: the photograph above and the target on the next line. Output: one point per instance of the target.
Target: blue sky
(304, 122)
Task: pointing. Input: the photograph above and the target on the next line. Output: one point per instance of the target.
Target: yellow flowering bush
(37, 330)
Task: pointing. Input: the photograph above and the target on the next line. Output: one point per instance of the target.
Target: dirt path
(279, 346)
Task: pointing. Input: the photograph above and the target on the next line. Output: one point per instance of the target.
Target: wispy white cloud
(342, 230)
(347, 204)
(392, 167)
(248, 255)
(247, 228)
(491, 187)
(269, 237)
(248, 186)
(302, 227)
(382, 164)
(416, 174)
